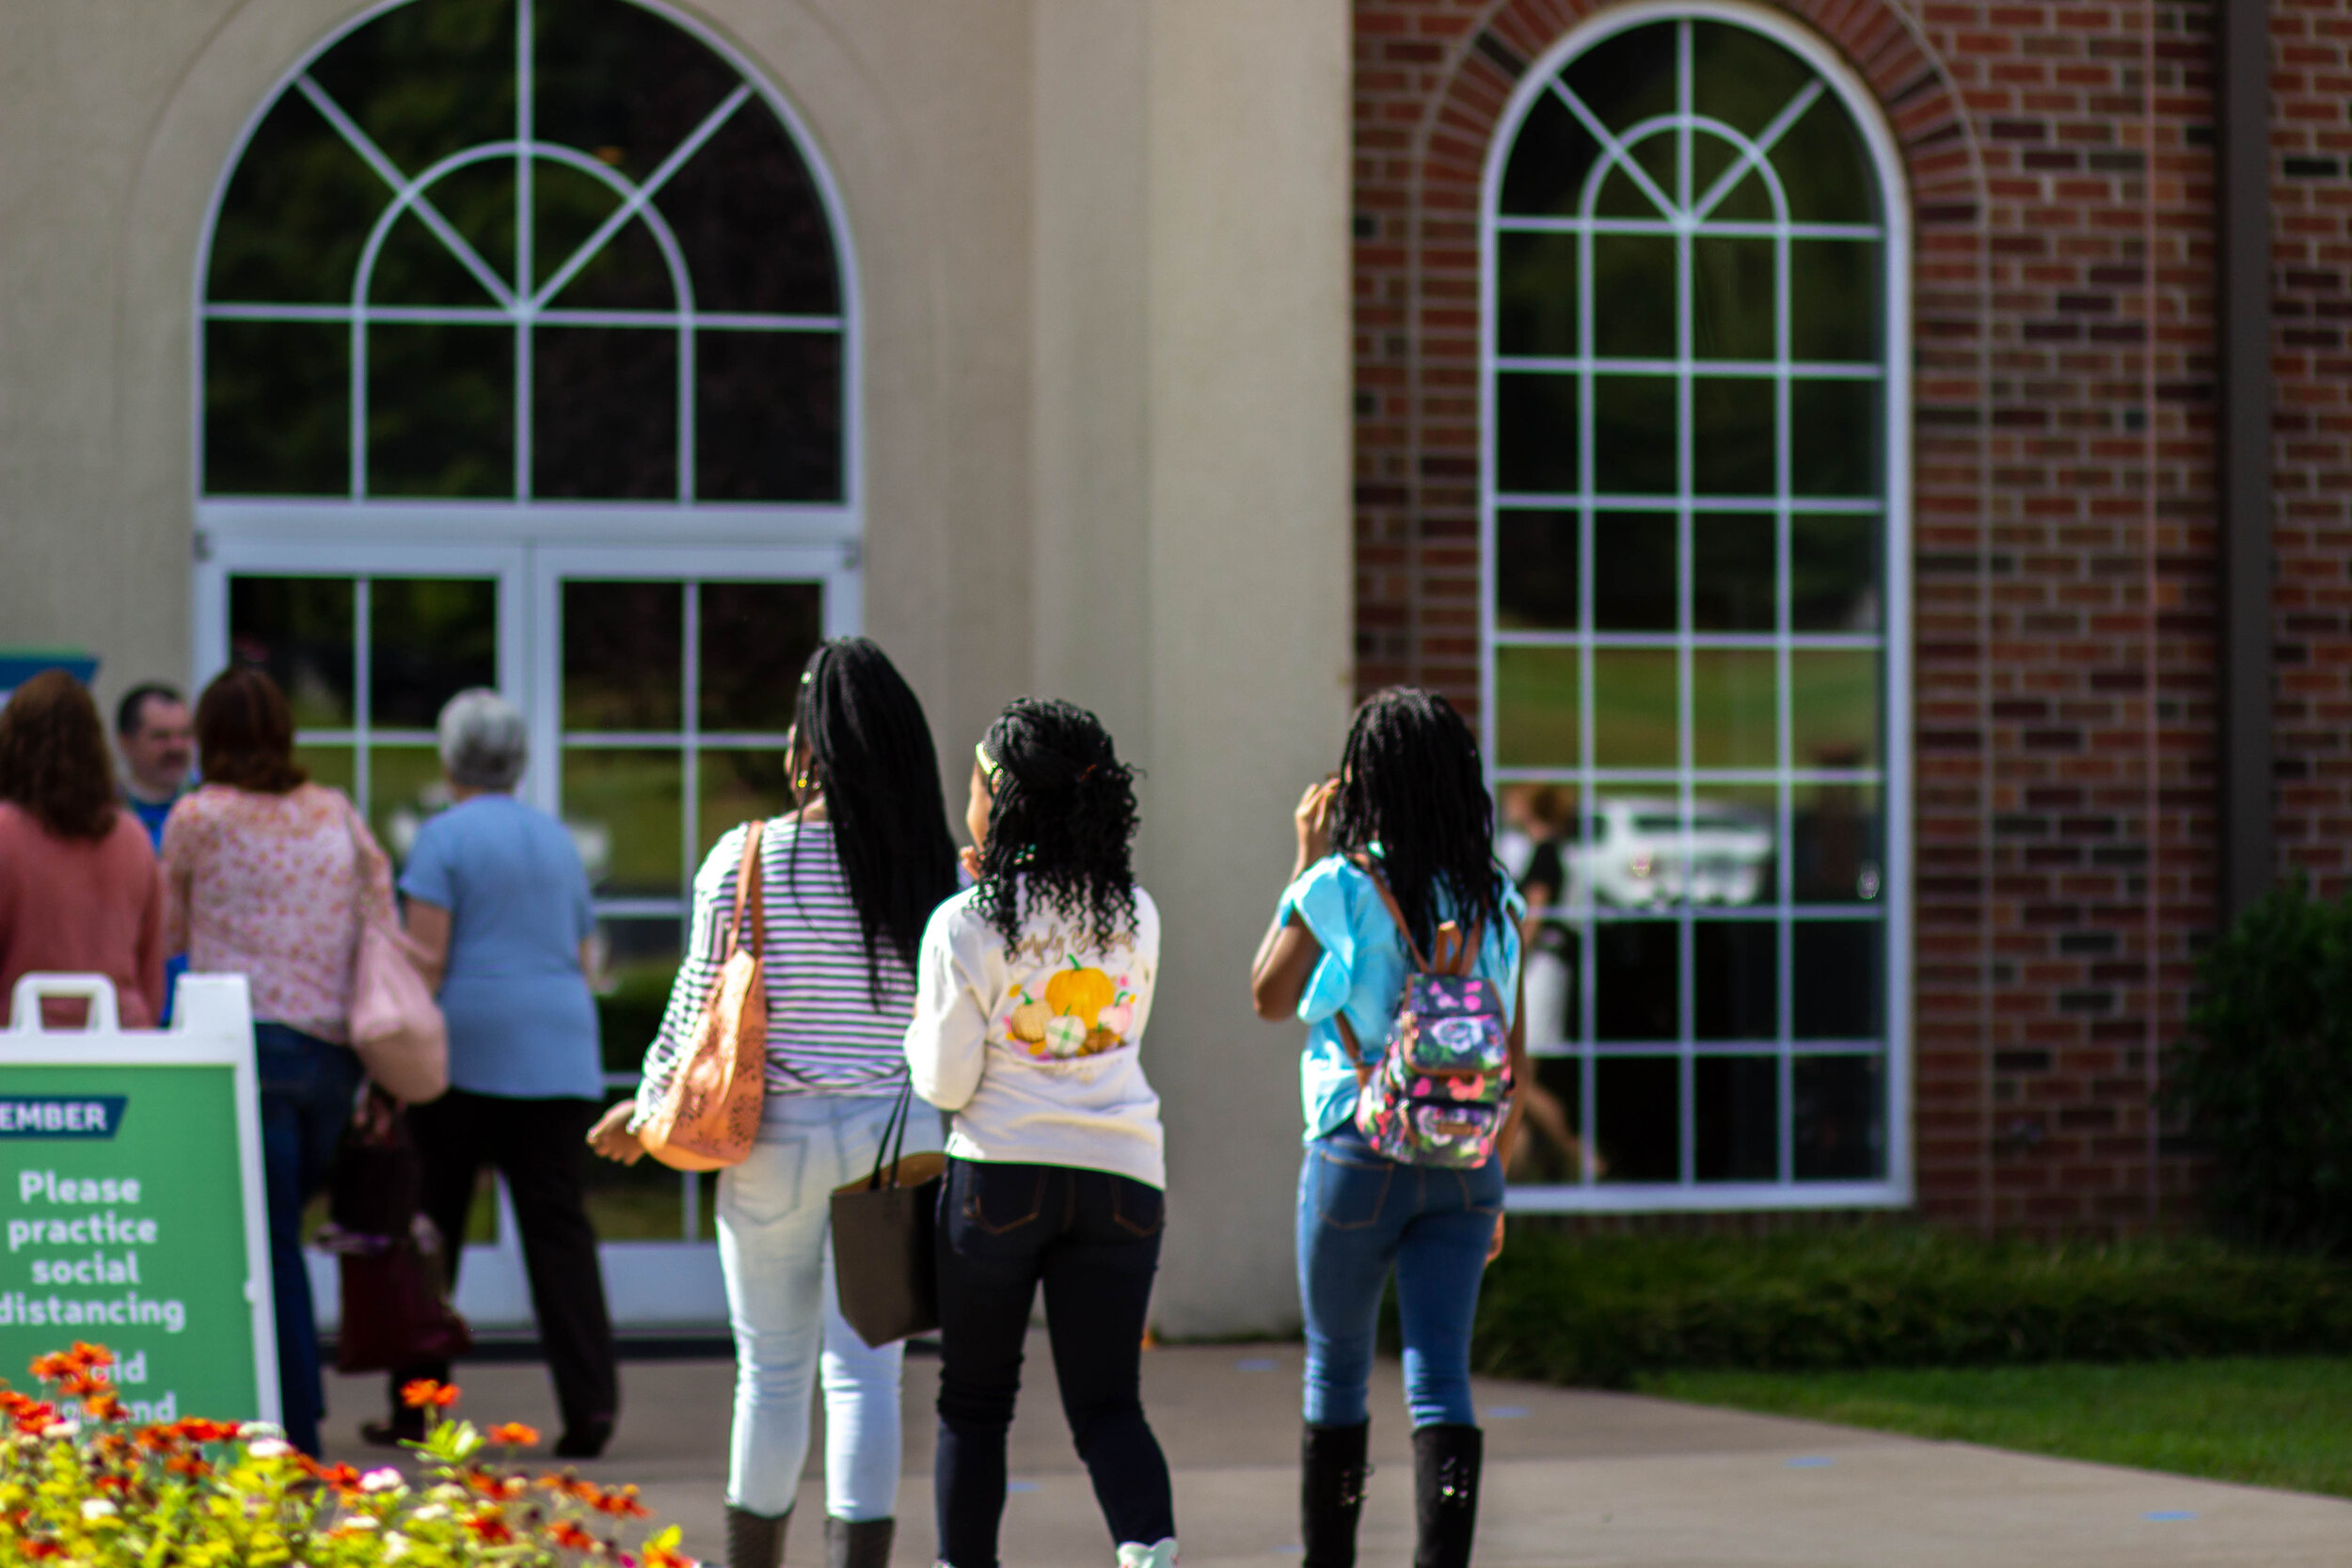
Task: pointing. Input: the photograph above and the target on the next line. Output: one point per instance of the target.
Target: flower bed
(81, 1484)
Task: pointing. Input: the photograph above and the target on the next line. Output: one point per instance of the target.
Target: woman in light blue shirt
(497, 897)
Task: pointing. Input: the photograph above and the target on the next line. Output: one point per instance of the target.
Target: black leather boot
(1331, 1492)
(1446, 1461)
(858, 1542)
(756, 1540)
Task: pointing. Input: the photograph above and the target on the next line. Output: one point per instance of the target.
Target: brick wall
(2059, 159)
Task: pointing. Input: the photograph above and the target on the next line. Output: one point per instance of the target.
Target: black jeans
(540, 1146)
(1094, 1240)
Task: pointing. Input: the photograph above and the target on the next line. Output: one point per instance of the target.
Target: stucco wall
(1100, 251)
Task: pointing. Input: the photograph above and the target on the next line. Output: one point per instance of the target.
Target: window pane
(478, 201)
(1637, 965)
(1535, 432)
(1634, 274)
(1634, 435)
(1535, 293)
(604, 414)
(1840, 1135)
(1628, 78)
(1734, 708)
(1732, 574)
(636, 960)
(1836, 974)
(1536, 570)
(1833, 300)
(1634, 708)
(440, 410)
(1742, 77)
(1833, 437)
(427, 80)
(428, 640)
(1554, 1015)
(336, 767)
(1549, 1151)
(1824, 169)
(301, 631)
(1732, 436)
(1634, 571)
(630, 802)
(628, 271)
(1736, 1106)
(757, 638)
(1637, 1119)
(295, 214)
(747, 215)
(1834, 708)
(1731, 297)
(1735, 984)
(623, 664)
(734, 784)
(1834, 572)
(767, 416)
(643, 1202)
(276, 408)
(1536, 706)
(617, 81)
(404, 787)
(414, 267)
(1839, 846)
(1545, 177)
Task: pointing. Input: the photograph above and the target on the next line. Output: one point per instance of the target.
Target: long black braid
(1411, 783)
(871, 751)
(1061, 819)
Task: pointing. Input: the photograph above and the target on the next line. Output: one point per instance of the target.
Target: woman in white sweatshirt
(1033, 987)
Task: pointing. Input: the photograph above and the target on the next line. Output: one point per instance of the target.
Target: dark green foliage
(2264, 1080)
(1598, 1311)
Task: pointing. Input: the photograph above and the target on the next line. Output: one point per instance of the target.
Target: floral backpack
(1438, 1093)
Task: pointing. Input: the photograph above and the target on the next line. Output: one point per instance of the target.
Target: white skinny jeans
(776, 1252)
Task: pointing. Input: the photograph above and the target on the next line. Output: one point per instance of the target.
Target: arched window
(523, 250)
(1694, 599)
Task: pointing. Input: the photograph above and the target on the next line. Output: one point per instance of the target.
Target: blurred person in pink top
(79, 891)
(265, 876)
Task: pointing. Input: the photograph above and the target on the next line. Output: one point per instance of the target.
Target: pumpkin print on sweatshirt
(1082, 1011)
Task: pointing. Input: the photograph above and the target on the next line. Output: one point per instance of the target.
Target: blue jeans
(1092, 1240)
(776, 1213)
(306, 1084)
(1359, 1215)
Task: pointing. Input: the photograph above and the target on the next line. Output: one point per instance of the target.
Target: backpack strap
(1456, 955)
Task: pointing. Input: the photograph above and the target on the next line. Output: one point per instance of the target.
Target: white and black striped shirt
(825, 1034)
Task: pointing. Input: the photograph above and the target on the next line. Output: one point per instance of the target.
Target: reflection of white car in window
(1644, 850)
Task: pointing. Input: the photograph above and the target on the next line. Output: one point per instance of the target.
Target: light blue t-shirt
(521, 1022)
(1362, 970)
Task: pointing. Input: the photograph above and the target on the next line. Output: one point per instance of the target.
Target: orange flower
(489, 1528)
(91, 1357)
(425, 1393)
(515, 1435)
(196, 1429)
(567, 1534)
(102, 1406)
(38, 1551)
(620, 1502)
(35, 1416)
(187, 1465)
(53, 1365)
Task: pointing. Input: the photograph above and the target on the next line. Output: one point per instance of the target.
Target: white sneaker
(1134, 1555)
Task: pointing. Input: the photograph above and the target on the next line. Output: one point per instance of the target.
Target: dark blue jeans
(1093, 1239)
(1359, 1215)
(306, 1084)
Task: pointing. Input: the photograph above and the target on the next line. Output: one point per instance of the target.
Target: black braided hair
(1061, 817)
(871, 751)
(1412, 781)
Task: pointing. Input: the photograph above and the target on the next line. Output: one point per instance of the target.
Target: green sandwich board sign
(131, 1208)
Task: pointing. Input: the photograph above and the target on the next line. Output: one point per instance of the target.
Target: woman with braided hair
(1032, 992)
(1396, 844)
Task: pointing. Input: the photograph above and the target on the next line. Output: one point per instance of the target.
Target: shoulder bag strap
(750, 877)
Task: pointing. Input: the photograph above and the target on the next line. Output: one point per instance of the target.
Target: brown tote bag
(710, 1115)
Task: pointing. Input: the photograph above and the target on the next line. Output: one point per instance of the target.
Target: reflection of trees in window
(1688, 379)
(552, 249)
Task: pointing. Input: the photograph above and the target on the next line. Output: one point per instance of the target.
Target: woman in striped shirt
(848, 880)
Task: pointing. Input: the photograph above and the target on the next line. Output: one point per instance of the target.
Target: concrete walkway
(1573, 1478)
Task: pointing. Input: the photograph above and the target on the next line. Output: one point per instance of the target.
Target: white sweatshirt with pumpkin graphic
(1036, 1047)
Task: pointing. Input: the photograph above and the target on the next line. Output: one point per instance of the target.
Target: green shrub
(80, 1485)
(1597, 1311)
(2264, 1080)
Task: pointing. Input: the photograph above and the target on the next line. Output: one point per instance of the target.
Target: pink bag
(396, 1027)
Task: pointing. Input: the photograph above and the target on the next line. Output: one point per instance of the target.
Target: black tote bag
(882, 1229)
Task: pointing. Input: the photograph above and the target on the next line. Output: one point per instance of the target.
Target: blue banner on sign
(59, 1115)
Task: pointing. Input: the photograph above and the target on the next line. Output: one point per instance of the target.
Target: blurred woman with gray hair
(499, 901)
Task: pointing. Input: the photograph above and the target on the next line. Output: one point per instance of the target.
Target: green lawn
(2284, 1421)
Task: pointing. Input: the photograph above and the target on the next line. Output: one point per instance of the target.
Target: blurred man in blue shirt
(157, 739)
